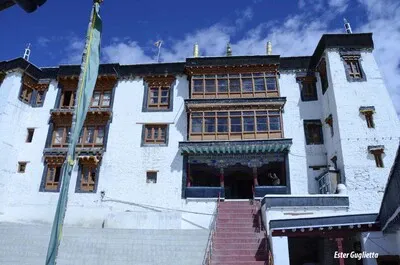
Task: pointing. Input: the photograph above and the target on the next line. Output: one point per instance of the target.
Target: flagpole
(159, 50)
(85, 83)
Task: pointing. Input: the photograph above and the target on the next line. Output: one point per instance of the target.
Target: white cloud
(244, 16)
(384, 23)
(296, 35)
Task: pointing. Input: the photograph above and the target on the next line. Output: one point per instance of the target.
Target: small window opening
(21, 167)
(29, 137)
(151, 176)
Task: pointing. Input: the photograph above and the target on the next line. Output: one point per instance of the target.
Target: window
(158, 98)
(253, 124)
(255, 84)
(101, 99)
(368, 112)
(40, 98)
(151, 177)
(29, 136)
(155, 134)
(352, 65)
(87, 178)
(91, 136)
(353, 69)
(21, 167)
(26, 94)
(313, 132)
(377, 152)
(61, 137)
(52, 178)
(329, 121)
(67, 99)
(308, 88)
(323, 75)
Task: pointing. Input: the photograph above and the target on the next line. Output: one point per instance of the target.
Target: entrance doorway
(238, 182)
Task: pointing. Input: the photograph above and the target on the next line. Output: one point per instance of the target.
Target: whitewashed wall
(129, 201)
(293, 128)
(19, 192)
(365, 182)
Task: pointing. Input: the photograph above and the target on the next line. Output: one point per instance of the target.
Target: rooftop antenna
(269, 48)
(228, 50)
(196, 50)
(27, 52)
(347, 26)
(158, 45)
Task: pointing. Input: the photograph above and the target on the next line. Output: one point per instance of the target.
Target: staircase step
(243, 229)
(239, 263)
(238, 240)
(240, 252)
(236, 215)
(239, 245)
(232, 234)
(244, 258)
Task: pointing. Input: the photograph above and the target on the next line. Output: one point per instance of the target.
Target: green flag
(87, 81)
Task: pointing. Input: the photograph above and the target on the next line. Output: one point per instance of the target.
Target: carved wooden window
(159, 93)
(155, 134)
(313, 132)
(67, 100)
(249, 124)
(323, 75)
(61, 136)
(158, 98)
(308, 88)
(101, 99)
(234, 85)
(29, 135)
(40, 97)
(88, 177)
(22, 167)
(92, 136)
(26, 94)
(353, 69)
(53, 178)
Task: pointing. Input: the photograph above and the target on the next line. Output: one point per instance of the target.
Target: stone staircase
(238, 239)
(25, 244)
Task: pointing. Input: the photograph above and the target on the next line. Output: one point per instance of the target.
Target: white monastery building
(214, 160)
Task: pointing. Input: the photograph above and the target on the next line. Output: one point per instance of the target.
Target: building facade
(162, 143)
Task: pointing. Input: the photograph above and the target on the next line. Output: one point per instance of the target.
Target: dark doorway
(238, 182)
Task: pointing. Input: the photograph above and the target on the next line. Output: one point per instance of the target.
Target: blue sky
(57, 29)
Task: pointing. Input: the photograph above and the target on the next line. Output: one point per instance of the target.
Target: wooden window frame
(353, 67)
(102, 93)
(323, 73)
(64, 142)
(49, 182)
(158, 105)
(29, 136)
(378, 157)
(240, 78)
(86, 184)
(309, 90)
(151, 172)
(160, 141)
(26, 94)
(22, 166)
(84, 134)
(71, 103)
(233, 135)
(308, 138)
(369, 117)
